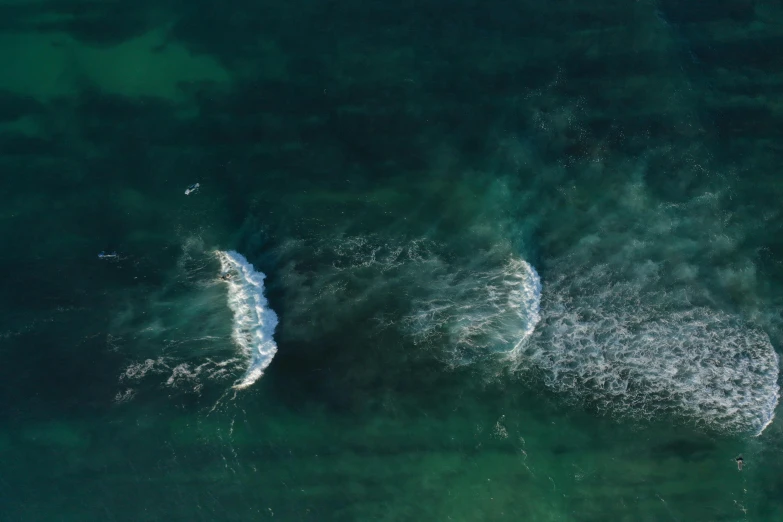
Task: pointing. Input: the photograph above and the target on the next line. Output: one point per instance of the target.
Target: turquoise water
(488, 261)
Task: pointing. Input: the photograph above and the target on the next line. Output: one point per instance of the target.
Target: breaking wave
(653, 305)
(465, 306)
(491, 310)
(254, 322)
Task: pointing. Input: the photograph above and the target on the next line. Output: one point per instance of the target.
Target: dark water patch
(746, 120)
(689, 450)
(694, 13)
(14, 106)
(752, 52)
(25, 146)
(94, 23)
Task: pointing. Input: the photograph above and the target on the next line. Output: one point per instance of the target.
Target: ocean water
(449, 261)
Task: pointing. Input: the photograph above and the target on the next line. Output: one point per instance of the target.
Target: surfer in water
(225, 276)
(740, 462)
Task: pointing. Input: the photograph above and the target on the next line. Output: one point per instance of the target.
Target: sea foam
(254, 321)
(480, 311)
(636, 359)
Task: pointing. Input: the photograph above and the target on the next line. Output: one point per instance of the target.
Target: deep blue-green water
(448, 261)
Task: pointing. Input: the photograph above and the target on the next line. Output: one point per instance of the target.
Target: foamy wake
(469, 305)
(254, 321)
(182, 375)
(480, 311)
(635, 360)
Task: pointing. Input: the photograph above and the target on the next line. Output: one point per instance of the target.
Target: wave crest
(254, 321)
(493, 310)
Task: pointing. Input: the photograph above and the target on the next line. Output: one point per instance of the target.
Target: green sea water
(403, 174)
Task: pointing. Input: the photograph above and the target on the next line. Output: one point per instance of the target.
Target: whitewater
(254, 321)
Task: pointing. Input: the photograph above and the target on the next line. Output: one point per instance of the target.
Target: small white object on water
(191, 189)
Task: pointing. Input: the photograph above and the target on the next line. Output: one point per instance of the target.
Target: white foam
(638, 360)
(139, 370)
(124, 396)
(527, 296)
(254, 321)
(489, 310)
(473, 304)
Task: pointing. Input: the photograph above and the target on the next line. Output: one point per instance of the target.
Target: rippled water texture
(465, 261)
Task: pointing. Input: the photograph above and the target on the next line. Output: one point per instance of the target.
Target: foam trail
(254, 321)
(641, 360)
(468, 306)
(494, 309)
